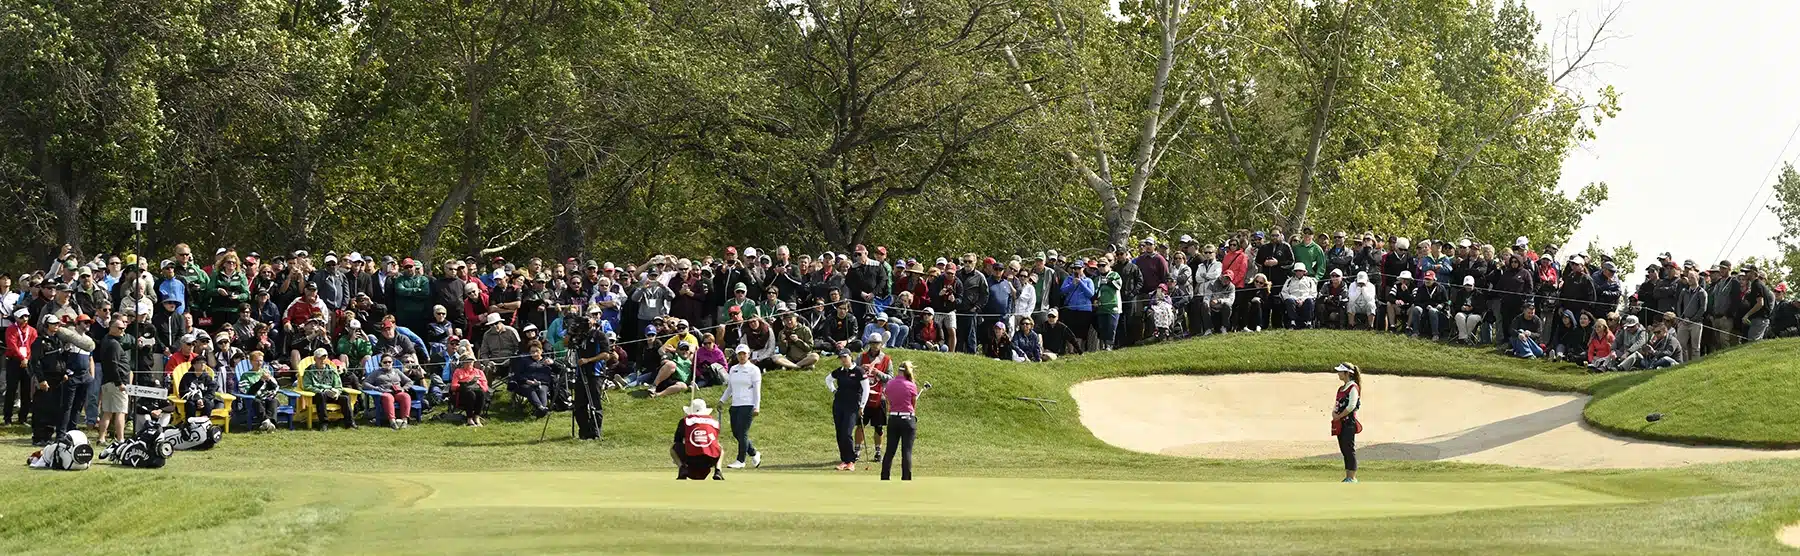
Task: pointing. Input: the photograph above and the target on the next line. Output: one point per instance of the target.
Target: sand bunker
(1789, 535)
(1287, 415)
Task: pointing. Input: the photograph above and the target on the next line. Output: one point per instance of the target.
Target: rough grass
(314, 492)
(1749, 396)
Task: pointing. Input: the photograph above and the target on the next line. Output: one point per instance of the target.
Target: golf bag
(146, 449)
(198, 433)
(68, 452)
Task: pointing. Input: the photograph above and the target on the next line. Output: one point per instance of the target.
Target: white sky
(1710, 92)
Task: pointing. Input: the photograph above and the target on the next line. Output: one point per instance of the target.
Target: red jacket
(18, 341)
(467, 373)
(1238, 264)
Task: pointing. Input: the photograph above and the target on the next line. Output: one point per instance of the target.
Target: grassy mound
(1749, 396)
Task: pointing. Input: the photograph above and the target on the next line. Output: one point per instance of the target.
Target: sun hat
(697, 406)
(1405, 275)
(493, 318)
(1299, 267)
(1347, 367)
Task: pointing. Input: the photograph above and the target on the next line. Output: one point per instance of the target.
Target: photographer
(594, 354)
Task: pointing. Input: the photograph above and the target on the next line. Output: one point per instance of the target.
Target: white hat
(21, 313)
(355, 323)
(1402, 243)
(1468, 280)
(356, 257)
(1301, 267)
(1521, 242)
(1464, 243)
(1337, 272)
(877, 339)
(1405, 275)
(941, 260)
(320, 352)
(595, 309)
(1187, 238)
(493, 319)
(1346, 367)
(330, 259)
(698, 407)
(1362, 277)
(1047, 313)
(220, 251)
(881, 316)
(931, 311)
(608, 266)
(530, 327)
(187, 338)
(749, 252)
(742, 349)
(51, 319)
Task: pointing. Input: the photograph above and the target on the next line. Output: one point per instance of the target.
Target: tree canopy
(621, 127)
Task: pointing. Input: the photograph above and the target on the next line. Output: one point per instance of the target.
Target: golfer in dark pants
(850, 393)
(903, 423)
(1343, 416)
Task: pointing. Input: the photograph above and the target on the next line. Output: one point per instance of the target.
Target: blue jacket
(1078, 292)
(999, 300)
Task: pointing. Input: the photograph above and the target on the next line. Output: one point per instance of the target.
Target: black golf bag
(146, 449)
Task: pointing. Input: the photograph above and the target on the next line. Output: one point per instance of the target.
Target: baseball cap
(742, 349)
(1052, 255)
(1522, 241)
(942, 261)
(881, 249)
(1430, 275)
(1256, 235)
(1187, 238)
(1464, 243)
(1468, 280)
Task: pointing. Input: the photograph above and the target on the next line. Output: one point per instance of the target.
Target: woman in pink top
(903, 425)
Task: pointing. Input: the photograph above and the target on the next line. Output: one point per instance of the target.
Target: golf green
(1004, 498)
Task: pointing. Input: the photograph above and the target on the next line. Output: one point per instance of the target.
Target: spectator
(531, 380)
(18, 386)
(838, 330)
(1079, 291)
(1307, 252)
(1217, 296)
(709, 361)
(1524, 334)
(676, 374)
(1690, 308)
(1469, 303)
(1755, 303)
(395, 403)
(1299, 297)
(1429, 301)
(500, 344)
(1627, 342)
(1600, 343)
(999, 345)
(327, 386)
(1259, 296)
(1058, 339)
(1107, 285)
(469, 391)
(796, 350)
(1029, 343)
(1400, 301)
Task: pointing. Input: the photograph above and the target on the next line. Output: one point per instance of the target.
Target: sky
(1709, 95)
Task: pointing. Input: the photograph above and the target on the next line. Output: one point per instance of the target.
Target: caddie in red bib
(696, 447)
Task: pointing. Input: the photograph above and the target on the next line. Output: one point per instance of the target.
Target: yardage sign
(140, 216)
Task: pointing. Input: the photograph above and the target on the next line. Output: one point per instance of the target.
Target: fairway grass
(1001, 498)
(995, 475)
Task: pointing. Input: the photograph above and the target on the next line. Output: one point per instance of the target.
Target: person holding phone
(902, 394)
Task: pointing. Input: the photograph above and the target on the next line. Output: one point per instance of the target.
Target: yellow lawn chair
(303, 399)
(220, 416)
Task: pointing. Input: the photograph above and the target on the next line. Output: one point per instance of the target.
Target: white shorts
(1362, 306)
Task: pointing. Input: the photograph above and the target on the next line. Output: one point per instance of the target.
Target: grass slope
(1749, 396)
(366, 491)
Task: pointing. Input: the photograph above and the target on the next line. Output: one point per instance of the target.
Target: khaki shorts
(112, 399)
(945, 321)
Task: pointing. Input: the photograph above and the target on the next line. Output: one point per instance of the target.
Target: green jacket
(354, 350)
(197, 280)
(322, 377)
(749, 308)
(1312, 256)
(238, 290)
(1107, 302)
(413, 295)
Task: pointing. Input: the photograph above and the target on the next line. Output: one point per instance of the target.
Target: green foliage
(1787, 209)
(616, 128)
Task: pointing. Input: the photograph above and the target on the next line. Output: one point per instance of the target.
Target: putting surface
(1287, 415)
(1003, 498)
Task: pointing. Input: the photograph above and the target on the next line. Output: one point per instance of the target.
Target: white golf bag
(198, 433)
(69, 452)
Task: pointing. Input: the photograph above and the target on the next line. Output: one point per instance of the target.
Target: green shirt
(684, 368)
(1312, 256)
(322, 377)
(1107, 301)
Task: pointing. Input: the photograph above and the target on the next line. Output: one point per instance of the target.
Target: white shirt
(743, 386)
(1300, 289)
(1024, 300)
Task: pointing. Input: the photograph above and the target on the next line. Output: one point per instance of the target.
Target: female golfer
(1343, 416)
(743, 387)
(903, 425)
(851, 393)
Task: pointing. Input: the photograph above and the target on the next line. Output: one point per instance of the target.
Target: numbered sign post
(139, 217)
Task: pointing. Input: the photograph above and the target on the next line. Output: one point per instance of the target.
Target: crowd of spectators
(79, 330)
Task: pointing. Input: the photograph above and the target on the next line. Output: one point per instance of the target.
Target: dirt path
(1287, 415)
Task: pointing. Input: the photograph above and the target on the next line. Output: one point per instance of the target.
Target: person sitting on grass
(796, 351)
(1058, 339)
(1525, 334)
(709, 361)
(1600, 342)
(696, 448)
(676, 374)
(1363, 301)
(1627, 340)
(469, 391)
(1029, 344)
(1658, 351)
(327, 386)
(1000, 346)
(927, 336)
(395, 403)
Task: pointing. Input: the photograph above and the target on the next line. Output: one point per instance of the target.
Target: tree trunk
(468, 177)
(471, 225)
(300, 187)
(1309, 167)
(568, 238)
(64, 194)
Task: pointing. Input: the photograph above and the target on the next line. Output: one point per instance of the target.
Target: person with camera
(902, 395)
(796, 345)
(594, 355)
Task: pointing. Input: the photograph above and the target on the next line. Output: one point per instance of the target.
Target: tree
(1786, 207)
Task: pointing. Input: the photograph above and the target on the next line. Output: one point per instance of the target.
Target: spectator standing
(1308, 252)
(1078, 291)
(1756, 301)
(18, 386)
(1690, 308)
(1107, 309)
